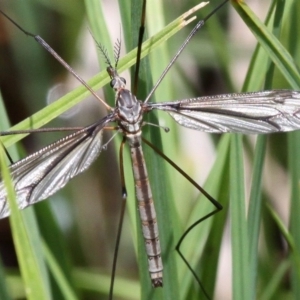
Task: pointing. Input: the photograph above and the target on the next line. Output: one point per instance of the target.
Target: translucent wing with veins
(247, 113)
(41, 174)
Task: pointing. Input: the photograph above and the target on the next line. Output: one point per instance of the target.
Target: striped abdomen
(146, 209)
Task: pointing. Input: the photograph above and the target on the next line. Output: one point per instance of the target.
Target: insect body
(41, 174)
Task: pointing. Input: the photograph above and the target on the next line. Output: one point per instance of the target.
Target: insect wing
(41, 174)
(247, 113)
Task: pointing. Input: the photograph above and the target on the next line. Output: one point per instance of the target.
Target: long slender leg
(124, 199)
(182, 47)
(45, 45)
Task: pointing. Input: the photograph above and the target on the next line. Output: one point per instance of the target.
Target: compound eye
(123, 80)
(112, 83)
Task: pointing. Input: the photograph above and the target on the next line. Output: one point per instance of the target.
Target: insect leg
(124, 199)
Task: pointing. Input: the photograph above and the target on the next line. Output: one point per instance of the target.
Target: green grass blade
(26, 236)
(33, 272)
(293, 162)
(294, 152)
(3, 287)
(240, 241)
(4, 294)
(14, 284)
(253, 81)
(276, 51)
(160, 189)
(89, 280)
(271, 290)
(259, 63)
(254, 214)
(58, 274)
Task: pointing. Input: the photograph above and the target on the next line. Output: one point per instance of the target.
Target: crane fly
(46, 171)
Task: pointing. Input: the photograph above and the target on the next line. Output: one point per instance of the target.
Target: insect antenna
(117, 50)
(104, 52)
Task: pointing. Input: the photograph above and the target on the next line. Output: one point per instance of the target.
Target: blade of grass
(89, 280)
(254, 213)
(289, 237)
(259, 63)
(58, 273)
(293, 163)
(15, 285)
(160, 189)
(4, 295)
(270, 292)
(3, 287)
(33, 272)
(239, 236)
(26, 236)
(270, 43)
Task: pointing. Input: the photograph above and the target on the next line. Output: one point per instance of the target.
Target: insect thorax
(129, 111)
